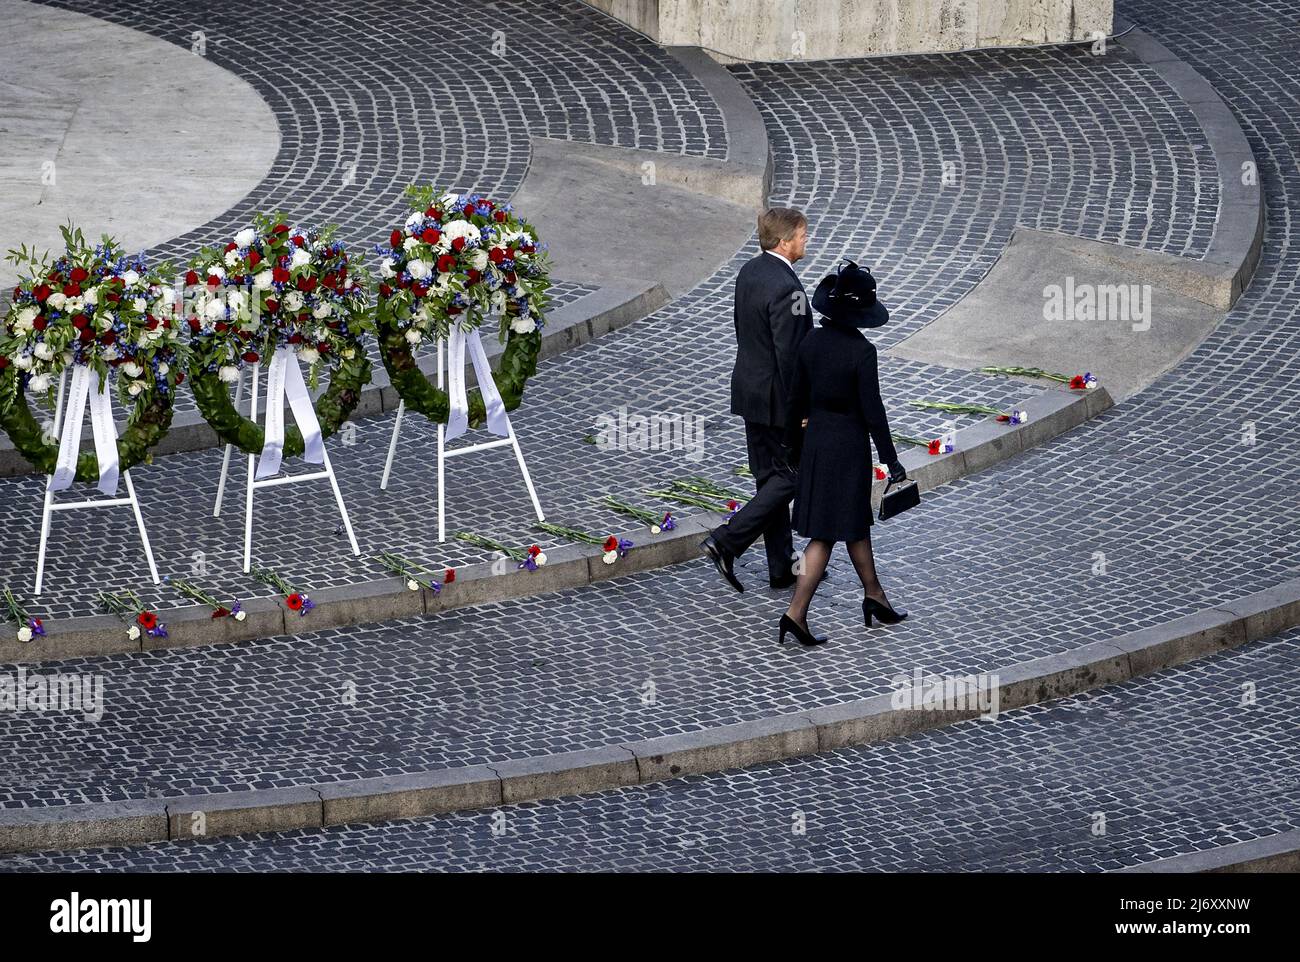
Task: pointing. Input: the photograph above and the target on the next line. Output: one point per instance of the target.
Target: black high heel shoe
(885, 614)
(790, 626)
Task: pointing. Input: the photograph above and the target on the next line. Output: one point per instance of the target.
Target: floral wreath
(273, 286)
(456, 260)
(98, 307)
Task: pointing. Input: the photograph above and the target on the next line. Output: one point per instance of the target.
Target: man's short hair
(777, 224)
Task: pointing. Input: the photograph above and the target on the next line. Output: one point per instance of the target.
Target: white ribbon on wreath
(458, 396)
(285, 378)
(101, 426)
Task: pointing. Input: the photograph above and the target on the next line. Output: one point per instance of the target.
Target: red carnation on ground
(936, 446)
(448, 575)
(611, 543)
(148, 620)
(294, 601)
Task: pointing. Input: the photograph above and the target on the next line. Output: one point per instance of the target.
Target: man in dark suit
(771, 317)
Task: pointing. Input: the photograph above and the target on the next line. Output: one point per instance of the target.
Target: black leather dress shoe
(723, 560)
(780, 584)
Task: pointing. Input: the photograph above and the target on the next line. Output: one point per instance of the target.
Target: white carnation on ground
(133, 632)
(246, 237)
(609, 557)
(24, 633)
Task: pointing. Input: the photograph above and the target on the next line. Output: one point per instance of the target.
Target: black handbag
(904, 497)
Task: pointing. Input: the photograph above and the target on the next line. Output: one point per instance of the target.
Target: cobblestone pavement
(678, 360)
(1185, 760)
(997, 568)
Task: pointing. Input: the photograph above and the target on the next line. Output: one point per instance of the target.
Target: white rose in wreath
(57, 300)
(479, 260)
(131, 278)
(413, 336)
(523, 324)
(140, 305)
(218, 272)
(293, 301)
(214, 310)
(301, 258)
(410, 243)
(90, 296)
(135, 388)
(23, 362)
(322, 311)
(386, 268)
(419, 269)
(415, 218)
(43, 352)
(131, 369)
(263, 280)
(460, 228)
(309, 355)
(246, 237)
(39, 384)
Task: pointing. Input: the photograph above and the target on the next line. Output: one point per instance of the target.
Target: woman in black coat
(836, 394)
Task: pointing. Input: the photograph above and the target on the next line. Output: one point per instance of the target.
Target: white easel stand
(326, 472)
(50, 507)
(443, 454)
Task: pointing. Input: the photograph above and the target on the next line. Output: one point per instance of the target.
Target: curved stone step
(864, 722)
(1051, 413)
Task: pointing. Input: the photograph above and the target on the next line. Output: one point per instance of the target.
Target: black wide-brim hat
(848, 297)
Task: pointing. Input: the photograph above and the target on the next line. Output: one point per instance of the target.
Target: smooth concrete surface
(114, 129)
(1001, 321)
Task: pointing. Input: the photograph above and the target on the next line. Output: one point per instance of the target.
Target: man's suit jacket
(770, 322)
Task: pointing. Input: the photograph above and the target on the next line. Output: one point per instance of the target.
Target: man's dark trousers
(768, 513)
